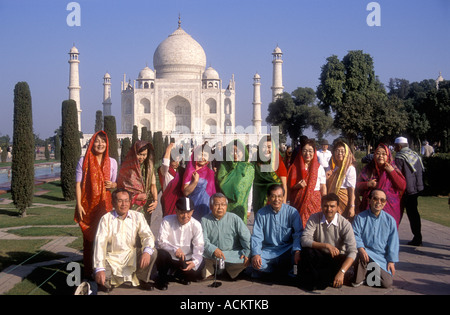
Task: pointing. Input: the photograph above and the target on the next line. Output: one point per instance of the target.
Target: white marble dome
(146, 74)
(179, 56)
(211, 74)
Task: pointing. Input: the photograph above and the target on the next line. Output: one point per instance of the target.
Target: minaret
(256, 104)
(107, 95)
(74, 81)
(277, 84)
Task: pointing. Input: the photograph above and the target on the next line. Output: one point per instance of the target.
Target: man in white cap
(410, 164)
(180, 246)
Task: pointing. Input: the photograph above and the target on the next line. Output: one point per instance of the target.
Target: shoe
(184, 282)
(147, 286)
(83, 289)
(357, 284)
(415, 243)
(163, 286)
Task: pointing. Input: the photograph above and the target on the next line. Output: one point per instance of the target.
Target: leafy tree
(22, 167)
(350, 89)
(46, 151)
(110, 128)
(70, 148)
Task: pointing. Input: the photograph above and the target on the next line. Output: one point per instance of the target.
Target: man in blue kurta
(226, 237)
(377, 242)
(276, 236)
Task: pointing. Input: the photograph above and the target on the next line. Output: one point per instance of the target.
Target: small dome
(146, 74)
(277, 50)
(107, 76)
(256, 76)
(210, 74)
(440, 78)
(74, 50)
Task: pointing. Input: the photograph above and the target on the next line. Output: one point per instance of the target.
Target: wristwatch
(343, 271)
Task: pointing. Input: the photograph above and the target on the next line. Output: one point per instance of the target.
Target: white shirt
(172, 236)
(324, 157)
(350, 177)
(321, 178)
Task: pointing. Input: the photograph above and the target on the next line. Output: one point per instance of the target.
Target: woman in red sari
(382, 173)
(95, 175)
(306, 181)
(137, 175)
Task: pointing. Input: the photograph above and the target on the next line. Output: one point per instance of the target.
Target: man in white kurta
(117, 256)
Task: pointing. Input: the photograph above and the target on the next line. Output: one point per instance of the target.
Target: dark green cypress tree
(98, 121)
(126, 146)
(109, 125)
(158, 145)
(70, 148)
(135, 135)
(22, 167)
(57, 148)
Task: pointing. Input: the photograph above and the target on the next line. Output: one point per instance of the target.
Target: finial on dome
(179, 20)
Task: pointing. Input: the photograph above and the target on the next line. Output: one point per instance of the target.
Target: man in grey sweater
(328, 247)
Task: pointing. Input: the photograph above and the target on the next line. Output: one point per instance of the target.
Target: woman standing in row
(96, 175)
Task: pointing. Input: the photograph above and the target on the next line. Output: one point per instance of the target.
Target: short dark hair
(330, 197)
(376, 189)
(275, 187)
(117, 191)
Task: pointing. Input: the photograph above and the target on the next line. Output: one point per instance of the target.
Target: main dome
(179, 56)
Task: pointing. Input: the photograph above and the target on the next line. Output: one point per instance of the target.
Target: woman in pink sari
(382, 173)
(199, 181)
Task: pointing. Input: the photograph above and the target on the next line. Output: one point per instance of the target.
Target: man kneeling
(329, 247)
(116, 256)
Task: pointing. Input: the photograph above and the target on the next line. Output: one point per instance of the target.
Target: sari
(393, 184)
(264, 179)
(337, 177)
(306, 200)
(171, 191)
(95, 198)
(206, 186)
(137, 178)
(235, 180)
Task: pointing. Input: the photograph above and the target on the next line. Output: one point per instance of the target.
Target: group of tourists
(315, 219)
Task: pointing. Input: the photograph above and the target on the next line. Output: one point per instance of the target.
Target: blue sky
(238, 37)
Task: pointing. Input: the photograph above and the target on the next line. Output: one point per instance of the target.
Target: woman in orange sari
(306, 182)
(95, 175)
(341, 178)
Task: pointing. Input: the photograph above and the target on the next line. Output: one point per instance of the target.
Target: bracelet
(343, 271)
(352, 206)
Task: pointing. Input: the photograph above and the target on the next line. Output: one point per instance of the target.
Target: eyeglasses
(380, 154)
(308, 152)
(123, 200)
(382, 200)
(223, 205)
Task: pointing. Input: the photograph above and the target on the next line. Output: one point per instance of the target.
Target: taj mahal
(180, 96)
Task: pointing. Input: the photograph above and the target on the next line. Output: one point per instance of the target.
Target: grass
(435, 209)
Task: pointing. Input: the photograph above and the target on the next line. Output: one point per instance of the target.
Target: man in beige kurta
(118, 258)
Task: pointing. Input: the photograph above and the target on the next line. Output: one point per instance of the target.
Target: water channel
(41, 171)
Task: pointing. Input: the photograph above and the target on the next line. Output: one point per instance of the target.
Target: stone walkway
(422, 270)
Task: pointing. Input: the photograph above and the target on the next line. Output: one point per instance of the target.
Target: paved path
(421, 271)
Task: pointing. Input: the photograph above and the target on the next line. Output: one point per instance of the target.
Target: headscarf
(137, 178)
(95, 198)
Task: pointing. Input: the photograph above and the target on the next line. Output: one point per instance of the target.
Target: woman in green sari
(269, 170)
(235, 178)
